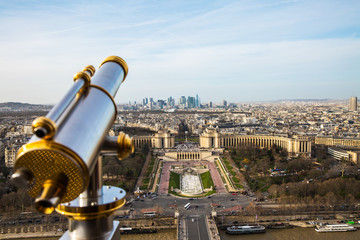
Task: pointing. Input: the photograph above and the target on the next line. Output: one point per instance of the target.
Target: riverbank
(57, 230)
(33, 231)
(304, 217)
(295, 233)
(33, 235)
(166, 234)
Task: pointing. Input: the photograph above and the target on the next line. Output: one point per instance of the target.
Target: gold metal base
(112, 199)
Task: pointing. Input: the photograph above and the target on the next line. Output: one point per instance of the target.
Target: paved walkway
(164, 178)
(157, 174)
(215, 175)
(225, 175)
(143, 171)
(213, 231)
(182, 233)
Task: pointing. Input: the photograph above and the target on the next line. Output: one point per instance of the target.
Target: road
(199, 206)
(196, 227)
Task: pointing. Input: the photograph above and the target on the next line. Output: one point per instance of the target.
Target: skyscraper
(224, 103)
(170, 102)
(191, 102)
(353, 104)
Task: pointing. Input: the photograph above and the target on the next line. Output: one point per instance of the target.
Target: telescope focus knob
(122, 144)
(125, 146)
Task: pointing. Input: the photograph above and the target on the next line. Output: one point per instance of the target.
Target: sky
(241, 51)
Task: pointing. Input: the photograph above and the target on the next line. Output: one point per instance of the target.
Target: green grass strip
(174, 180)
(207, 180)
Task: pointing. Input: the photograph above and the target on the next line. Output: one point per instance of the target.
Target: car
(234, 194)
(209, 197)
(232, 199)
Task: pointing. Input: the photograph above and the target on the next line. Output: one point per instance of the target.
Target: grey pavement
(196, 227)
(201, 206)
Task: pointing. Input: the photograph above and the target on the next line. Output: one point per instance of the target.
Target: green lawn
(146, 181)
(174, 180)
(207, 180)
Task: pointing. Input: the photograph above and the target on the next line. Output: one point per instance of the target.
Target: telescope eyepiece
(44, 127)
(51, 194)
(40, 132)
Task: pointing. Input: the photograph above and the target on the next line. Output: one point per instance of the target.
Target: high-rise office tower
(182, 100)
(197, 101)
(191, 102)
(170, 102)
(161, 103)
(353, 104)
(224, 103)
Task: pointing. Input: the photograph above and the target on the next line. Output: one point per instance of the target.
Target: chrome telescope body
(59, 161)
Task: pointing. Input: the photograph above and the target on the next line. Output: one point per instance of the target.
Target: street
(199, 206)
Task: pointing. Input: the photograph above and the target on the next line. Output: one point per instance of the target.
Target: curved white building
(211, 138)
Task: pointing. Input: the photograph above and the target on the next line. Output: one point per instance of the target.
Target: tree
(331, 200)
(253, 209)
(314, 174)
(145, 149)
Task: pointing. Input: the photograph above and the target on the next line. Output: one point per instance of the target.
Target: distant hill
(17, 106)
(304, 100)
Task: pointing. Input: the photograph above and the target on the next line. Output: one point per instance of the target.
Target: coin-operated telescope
(61, 164)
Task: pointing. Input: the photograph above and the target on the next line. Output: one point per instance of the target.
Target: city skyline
(176, 100)
(239, 51)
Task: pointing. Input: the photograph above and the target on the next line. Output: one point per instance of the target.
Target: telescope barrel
(81, 121)
(47, 127)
